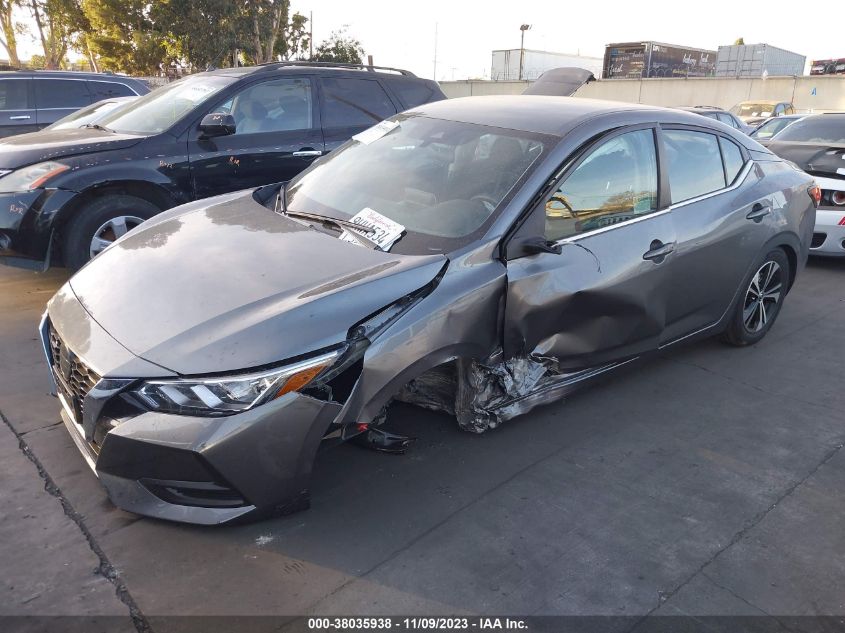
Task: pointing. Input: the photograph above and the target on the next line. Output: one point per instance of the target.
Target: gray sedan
(479, 256)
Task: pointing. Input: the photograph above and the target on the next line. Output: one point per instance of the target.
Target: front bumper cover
(26, 225)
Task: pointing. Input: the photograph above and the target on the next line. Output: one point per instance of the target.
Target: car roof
(66, 74)
(540, 114)
(701, 109)
(312, 67)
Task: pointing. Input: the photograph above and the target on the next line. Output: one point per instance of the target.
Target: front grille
(73, 377)
(818, 239)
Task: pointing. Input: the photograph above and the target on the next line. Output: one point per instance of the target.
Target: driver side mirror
(535, 245)
(217, 124)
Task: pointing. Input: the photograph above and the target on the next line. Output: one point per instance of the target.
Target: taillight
(838, 198)
(816, 194)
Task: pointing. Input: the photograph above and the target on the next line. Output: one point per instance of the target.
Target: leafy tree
(341, 48)
(60, 24)
(121, 35)
(10, 31)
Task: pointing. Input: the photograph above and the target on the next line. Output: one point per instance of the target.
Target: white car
(816, 144)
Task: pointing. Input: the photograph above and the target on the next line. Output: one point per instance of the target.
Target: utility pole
(522, 30)
(311, 35)
(434, 73)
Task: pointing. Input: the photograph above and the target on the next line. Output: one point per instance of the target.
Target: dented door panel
(597, 302)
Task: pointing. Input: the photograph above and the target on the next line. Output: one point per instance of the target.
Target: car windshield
(771, 127)
(753, 109)
(822, 128)
(93, 112)
(161, 108)
(442, 180)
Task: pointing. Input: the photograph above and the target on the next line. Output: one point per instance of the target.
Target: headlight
(229, 394)
(32, 177)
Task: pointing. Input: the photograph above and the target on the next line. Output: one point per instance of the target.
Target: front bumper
(26, 225)
(829, 233)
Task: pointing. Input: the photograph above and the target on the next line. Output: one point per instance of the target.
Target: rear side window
(412, 93)
(695, 163)
(354, 102)
(819, 128)
(616, 182)
(61, 93)
(733, 159)
(14, 94)
(106, 90)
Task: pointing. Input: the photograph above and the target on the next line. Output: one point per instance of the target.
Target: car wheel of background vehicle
(99, 223)
(761, 301)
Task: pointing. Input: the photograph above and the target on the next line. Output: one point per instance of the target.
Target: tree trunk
(44, 45)
(8, 25)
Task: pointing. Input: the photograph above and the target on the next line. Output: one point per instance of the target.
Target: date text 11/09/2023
(416, 624)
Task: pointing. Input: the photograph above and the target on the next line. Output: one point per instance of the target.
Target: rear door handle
(308, 152)
(658, 251)
(758, 212)
(20, 117)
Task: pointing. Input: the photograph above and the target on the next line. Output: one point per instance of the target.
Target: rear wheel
(760, 305)
(99, 223)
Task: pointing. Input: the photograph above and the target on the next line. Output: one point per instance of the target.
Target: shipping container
(758, 60)
(505, 66)
(828, 67)
(637, 60)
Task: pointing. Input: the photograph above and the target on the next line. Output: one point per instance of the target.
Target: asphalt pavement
(706, 481)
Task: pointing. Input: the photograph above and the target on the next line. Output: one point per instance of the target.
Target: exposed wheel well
(792, 256)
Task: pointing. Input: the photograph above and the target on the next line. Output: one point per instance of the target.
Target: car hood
(227, 284)
(36, 147)
(814, 158)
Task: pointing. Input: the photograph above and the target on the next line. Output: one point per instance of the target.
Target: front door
(603, 297)
(277, 135)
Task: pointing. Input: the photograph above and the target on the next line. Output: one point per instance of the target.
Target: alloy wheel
(110, 230)
(762, 299)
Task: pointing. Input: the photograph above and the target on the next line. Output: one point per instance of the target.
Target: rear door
(17, 111)
(277, 136)
(350, 105)
(56, 98)
(603, 297)
(722, 215)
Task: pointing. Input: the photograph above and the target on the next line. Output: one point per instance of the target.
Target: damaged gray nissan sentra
(480, 256)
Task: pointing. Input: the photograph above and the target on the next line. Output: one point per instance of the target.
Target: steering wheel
(489, 203)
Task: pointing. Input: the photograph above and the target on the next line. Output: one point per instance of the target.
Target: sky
(402, 33)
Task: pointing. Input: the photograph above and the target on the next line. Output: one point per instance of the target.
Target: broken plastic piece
(384, 441)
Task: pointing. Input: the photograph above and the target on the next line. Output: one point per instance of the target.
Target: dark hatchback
(68, 194)
(32, 100)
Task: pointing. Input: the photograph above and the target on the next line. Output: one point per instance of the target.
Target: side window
(695, 163)
(726, 118)
(412, 92)
(733, 159)
(61, 93)
(354, 102)
(106, 90)
(280, 105)
(616, 182)
(14, 94)
(779, 109)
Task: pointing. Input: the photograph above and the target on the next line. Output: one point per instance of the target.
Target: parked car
(755, 112)
(816, 144)
(768, 128)
(718, 114)
(70, 193)
(89, 114)
(33, 99)
(480, 256)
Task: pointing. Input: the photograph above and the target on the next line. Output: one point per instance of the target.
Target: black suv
(70, 193)
(718, 114)
(33, 99)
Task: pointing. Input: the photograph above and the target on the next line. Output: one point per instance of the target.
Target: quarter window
(733, 159)
(616, 182)
(13, 94)
(349, 102)
(695, 163)
(280, 105)
(107, 90)
(61, 93)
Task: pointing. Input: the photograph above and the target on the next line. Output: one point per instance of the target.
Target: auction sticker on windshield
(385, 231)
(376, 132)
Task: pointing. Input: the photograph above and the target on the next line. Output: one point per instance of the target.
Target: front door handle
(20, 117)
(657, 251)
(305, 151)
(758, 212)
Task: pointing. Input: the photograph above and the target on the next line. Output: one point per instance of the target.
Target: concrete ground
(708, 481)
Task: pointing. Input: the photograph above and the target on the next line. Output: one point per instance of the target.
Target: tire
(103, 218)
(754, 316)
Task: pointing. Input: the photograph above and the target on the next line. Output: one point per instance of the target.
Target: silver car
(478, 256)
